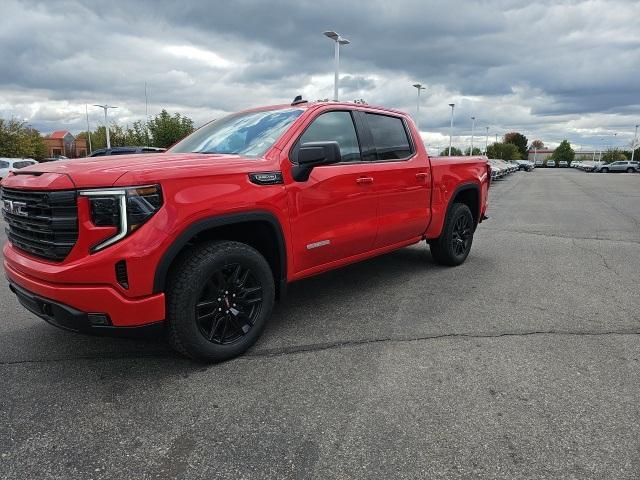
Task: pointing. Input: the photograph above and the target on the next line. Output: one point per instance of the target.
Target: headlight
(127, 209)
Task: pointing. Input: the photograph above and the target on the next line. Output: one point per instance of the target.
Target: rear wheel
(630, 170)
(605, 170)
(454, 244)
(219, 299)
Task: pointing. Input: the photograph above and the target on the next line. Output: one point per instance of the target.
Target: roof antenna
(298, 100)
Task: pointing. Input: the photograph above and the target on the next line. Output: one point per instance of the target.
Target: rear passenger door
(401, 178)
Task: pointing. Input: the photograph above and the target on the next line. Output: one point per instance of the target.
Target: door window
(389, 137)
(334, 127)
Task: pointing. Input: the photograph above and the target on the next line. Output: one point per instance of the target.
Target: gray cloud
(553, 69)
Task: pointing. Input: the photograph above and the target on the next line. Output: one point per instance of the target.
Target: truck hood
(130, 169)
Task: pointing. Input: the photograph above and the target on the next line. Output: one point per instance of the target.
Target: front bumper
(69, 306)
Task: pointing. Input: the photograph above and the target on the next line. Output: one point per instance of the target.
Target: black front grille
(42, 223)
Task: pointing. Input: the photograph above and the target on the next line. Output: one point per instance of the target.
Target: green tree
(476, 151)
(19, 141)
(117, 137)
(519, 140)
(137, 134)
(503, 151)
(166, 129)
(564, 152)
(455, 152)
(614, 155)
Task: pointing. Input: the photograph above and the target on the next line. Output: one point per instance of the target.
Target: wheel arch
(269, 241)
(469, 194)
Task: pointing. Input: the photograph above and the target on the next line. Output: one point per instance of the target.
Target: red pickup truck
(205, 237)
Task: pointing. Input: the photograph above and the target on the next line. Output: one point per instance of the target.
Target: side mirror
(314, 154)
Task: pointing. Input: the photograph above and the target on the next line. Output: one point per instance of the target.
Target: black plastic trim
(162, 270)
(461, 188)
(68, 318)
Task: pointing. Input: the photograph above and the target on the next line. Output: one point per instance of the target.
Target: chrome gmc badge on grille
(15, 208)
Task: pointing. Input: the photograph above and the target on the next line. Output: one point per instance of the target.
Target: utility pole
(146, 113)
(106, 107)
(634, 145)
(338, 41)
(419, 87)
(486, 141)
(473, 126)
(452, 105)
(86, 112)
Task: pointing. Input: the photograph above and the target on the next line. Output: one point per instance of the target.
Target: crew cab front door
(333, 214)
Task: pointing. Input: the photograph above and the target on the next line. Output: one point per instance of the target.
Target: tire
(204, 322)
(446, 249)
(604, 170)
(630, 170)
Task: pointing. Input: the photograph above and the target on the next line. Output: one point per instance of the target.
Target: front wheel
(454, 244)
(219, 299)
(605, 170)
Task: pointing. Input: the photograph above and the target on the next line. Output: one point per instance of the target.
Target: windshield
(249, 134)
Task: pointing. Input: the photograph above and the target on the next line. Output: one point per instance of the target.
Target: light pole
(86, 112)
(338, 41)
(634, 144)
(106, 107)
(452, 105)
(486, 141)
(419, 87)
(473, 126)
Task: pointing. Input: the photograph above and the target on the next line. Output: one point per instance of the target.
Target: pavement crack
(318, 347)
(553, 235)
(603, 259)
(354, 343)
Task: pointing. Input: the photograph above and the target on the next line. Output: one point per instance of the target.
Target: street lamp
(486, 141)
(86, 112)
(634, 145)
(473, 126)
(338, 41)
(452, 105)
(106, 107)
(419, 87)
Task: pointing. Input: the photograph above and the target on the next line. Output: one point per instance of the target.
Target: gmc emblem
(15, 208)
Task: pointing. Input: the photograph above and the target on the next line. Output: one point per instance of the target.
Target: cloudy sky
(550, 69)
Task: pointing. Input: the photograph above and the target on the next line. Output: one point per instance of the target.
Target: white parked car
(10, 164)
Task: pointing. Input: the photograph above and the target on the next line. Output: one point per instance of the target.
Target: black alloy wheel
(454, 243)
(219, 298)
(229, 304)
(461, 234)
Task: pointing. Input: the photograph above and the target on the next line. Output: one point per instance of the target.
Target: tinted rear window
(122, 152)
(389, 137)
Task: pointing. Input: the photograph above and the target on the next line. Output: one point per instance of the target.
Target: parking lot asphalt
(522, 363)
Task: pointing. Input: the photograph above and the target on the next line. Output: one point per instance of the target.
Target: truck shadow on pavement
(309, 302)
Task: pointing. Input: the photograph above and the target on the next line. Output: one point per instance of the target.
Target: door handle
(422, 175)
(364, 180)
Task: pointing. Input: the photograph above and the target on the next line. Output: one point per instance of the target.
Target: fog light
(99, 319)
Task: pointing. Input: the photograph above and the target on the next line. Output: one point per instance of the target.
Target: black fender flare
(162, 269)
(462, 188)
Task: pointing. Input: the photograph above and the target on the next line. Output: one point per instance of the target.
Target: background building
(62, 142)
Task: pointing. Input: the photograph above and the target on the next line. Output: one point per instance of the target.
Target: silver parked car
(629, 167)
(551, 163)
